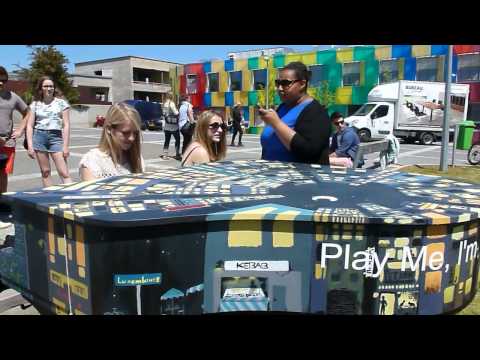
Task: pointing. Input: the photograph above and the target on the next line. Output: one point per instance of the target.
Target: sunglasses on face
(285, 83)
(217, 125)
(336, 123)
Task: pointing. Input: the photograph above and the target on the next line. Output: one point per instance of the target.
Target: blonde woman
(48, 131)
(209, 140)
(119, 151)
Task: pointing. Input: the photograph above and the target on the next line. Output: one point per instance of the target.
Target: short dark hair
(336, 115)
(3, 73)
(300, 69)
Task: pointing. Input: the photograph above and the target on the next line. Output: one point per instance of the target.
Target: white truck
(412, 110)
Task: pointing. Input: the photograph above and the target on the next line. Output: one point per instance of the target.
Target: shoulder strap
(190, 153)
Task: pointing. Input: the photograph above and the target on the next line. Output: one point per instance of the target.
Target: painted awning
(194, 289)
(172, 294)
(244, 305)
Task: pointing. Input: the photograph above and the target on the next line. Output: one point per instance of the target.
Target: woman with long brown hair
(209, 140)
(119, 150)
(48, 131)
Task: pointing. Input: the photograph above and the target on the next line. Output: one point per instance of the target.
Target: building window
(259, 79)
(351, 74)
(191, 84)
(213, 85)
(98, 72)
(100, 96)
(235, 80)
(468, 67)
(388, 71)
(427, 68)
(319, 74)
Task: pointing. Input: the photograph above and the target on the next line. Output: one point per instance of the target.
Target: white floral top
(49, 116)
(101, 165)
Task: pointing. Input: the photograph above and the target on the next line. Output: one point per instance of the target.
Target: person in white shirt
(48, 131)
(119, 150)
(171, 127)
(186, 121)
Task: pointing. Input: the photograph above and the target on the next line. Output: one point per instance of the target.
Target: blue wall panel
(207, 99)
(399, 51)
(207, 67)
(229, 65)
(439, 50)
(410, 68)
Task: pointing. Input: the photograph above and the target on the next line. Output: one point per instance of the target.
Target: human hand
(269, 116)
(17, 134)
(2, 141)
(66, 152)
(31, 153)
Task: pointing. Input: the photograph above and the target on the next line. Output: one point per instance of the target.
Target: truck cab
(374, 120)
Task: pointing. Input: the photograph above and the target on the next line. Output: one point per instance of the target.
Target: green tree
(324, 94)
(47, 61)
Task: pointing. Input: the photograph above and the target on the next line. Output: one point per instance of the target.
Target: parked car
(99, 120)
(151, 114)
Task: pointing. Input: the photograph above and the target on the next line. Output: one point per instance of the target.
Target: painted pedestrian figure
(383, 305)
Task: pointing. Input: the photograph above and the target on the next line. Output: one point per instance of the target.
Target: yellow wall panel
(383, 52)
(62, 246)
(448, 294)
(218, 66)
(218, 99)
(343, 95)
(246, 80)
(244, 98)
(80, 245)
(223, 82)
(236, 97)
(282, 234)
(245, 233)
(309, 58)
(251, 111)
(240, 64)
(292, 57)
(345, 55)
(421, 50)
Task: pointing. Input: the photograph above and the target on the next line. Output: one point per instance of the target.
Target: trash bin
(465, 132)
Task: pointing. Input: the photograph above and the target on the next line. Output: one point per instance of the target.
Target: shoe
(178, 157)
(232, 144)
(240, 144)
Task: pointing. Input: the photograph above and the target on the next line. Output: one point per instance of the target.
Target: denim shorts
(47, 140)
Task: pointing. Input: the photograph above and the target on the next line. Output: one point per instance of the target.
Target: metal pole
(139, 300)
(446, 114)
(455, 138)
(266, 96)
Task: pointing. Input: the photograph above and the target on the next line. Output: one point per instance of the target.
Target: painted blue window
(259, 79)
(468, 68)
(229, 98)
(351, 74)
(439, 49)
(410, 69)
(207, 67)
(401, 51)
(228, 65)
(207, 99)
(388, 71)
(427, 68)
(319, 74)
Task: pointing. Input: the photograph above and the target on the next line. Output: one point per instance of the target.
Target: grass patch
(460, 173)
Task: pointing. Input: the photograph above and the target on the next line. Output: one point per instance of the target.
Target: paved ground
(26, 173)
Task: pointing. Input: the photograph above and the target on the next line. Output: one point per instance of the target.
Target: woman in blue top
(299, 130)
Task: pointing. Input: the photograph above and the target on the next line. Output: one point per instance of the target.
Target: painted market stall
(247, 236)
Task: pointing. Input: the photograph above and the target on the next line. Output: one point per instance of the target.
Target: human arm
(196, 156)
(86, 174)
(284, 133)
(66, 132)
(173, 108)
(24, 110)
(312, 133)
(348, 140)
(29, 134)
(190, 114)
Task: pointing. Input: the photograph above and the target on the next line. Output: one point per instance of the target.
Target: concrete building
(113, 80)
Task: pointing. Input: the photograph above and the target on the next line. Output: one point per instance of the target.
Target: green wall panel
(326, 57)
(371, 73)
(364, 53)
(359, 95)
(278, 61)
(252, 98)
(253, 63)
(335, 75)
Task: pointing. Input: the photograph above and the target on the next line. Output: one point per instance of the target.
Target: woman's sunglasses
(217, 125)
(285, 83)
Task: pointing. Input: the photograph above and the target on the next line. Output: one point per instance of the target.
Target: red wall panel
(462, 49)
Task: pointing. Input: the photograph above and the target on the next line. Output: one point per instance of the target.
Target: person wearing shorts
(48, 131)
(9, 101)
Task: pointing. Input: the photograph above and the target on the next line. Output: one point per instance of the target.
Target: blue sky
(20, 54)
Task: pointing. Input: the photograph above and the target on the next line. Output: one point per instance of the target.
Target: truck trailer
(412, 110)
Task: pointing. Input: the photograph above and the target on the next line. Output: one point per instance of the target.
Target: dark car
(151, 114)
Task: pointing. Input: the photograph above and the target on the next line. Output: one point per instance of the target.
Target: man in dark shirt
(345, 141)
(237, 124)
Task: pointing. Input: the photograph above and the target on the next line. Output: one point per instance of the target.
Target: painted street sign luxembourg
(256, 265)
(138, 279)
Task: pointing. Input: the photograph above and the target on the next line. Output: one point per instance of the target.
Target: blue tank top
(272, 147)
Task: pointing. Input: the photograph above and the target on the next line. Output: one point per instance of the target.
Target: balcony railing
(150, 83)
